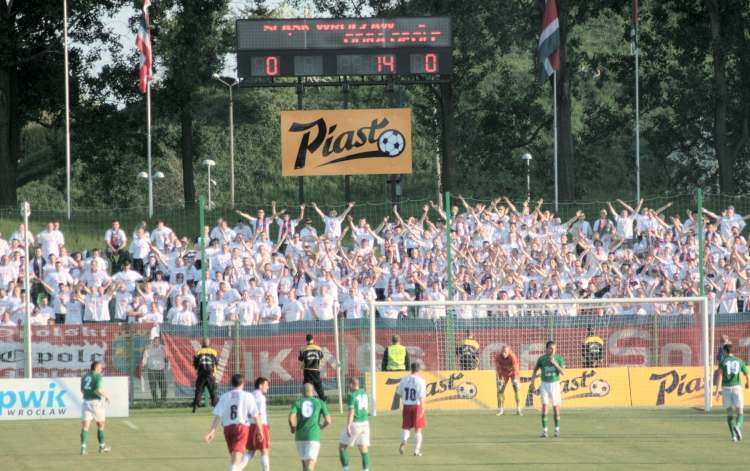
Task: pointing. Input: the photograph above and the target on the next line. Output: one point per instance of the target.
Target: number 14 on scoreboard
(386, 64)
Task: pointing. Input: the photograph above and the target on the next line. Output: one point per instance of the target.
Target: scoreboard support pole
(345, 89)
(394, 180)
(300, 104)
(446, 108)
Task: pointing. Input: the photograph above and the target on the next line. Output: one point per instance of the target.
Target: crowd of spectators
(267, 269)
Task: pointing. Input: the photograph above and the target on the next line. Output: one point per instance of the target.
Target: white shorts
(360, 435)
(93, 410)
(550, 393)
(308, 450)
(732, 397)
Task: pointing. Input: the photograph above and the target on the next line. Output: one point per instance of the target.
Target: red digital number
(272, 66)
(387, 64)
(430, 63)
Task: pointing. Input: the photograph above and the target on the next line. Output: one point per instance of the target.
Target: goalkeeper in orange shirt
(508, 371)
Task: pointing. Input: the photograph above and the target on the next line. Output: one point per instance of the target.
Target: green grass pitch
(172, 439)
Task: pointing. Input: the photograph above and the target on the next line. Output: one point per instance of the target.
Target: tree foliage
(695, 102)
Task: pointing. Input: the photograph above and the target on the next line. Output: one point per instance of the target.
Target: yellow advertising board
(346, 142)
(581, 387)
(445, 389)
(668, 386)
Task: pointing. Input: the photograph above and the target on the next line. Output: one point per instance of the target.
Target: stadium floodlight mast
(25, 213)
(155, 176)
(67, 108)
(230, 86)
(209, 163)
(527, 157)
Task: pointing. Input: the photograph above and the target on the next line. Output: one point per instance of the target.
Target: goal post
(639, 334)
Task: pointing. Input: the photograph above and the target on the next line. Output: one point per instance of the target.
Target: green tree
(31, 69)
(194, 36)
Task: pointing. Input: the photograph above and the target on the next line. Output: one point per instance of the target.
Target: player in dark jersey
(468, 353)
(205, 362)
(311, 356)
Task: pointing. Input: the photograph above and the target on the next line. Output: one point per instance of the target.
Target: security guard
(592, 349)
(205, 362)
(311, 356)
(395, 357)
(468, 353)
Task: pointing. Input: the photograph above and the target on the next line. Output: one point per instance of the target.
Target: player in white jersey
(260, 435)
(412, 390)
(234, 411)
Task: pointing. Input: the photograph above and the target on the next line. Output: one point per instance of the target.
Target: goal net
(625, 349)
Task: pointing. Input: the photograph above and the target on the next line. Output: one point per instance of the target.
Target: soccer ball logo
(467, 390)
(391, 143)
(599, 388)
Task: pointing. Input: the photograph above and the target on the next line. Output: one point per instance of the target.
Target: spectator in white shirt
(293, 310)
(333, 221)
(185, 315)
(270, 312)
(323, 305)
(96, 304)
(161, 236)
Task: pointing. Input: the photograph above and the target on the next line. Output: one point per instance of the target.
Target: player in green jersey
(551, 365)
(728, 374)
(93, 406)
(357, 429)
(305, 423)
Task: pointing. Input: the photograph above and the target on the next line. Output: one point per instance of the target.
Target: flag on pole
(143, 43)
(549, 42)
(634, 27)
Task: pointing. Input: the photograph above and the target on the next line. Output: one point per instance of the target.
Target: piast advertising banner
(678, 386)
(580, 387)
(445, 389)
(346, 142)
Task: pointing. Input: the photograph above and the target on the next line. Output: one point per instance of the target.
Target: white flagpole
(554, 87)
(148, 151)
(637, 119)
(67, 108)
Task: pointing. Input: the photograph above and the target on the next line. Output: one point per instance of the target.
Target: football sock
(417, 441)
(265, 463)
(84, 437)
(404, 436)
(740, 420)
(100, 437)
(518, 400)
(365, 461)
(500, 400)
(557, 420)
(544, 421)
(730, 422)
(344, 457)
(245, 460)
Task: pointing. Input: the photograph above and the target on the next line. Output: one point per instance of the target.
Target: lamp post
(527, 157)
(230, 86)
(157, 175)
(209, 163)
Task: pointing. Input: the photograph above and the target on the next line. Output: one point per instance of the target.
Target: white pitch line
(130, 424)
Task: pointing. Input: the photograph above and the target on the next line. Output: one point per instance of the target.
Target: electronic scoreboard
(349, 46)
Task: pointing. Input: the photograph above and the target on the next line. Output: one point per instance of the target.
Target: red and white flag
(143, 43)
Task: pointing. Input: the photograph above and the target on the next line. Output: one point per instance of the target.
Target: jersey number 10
(410, 394)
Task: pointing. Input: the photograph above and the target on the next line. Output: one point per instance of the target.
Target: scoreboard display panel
(349, 46)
